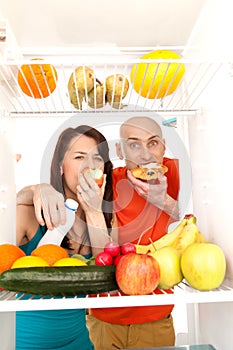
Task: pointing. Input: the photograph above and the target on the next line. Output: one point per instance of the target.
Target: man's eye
(153, 143)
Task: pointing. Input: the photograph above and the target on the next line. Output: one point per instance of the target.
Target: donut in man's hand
(149, 172)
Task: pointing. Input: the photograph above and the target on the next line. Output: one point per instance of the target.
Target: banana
(143, 249)
(184, 234)
(200, 238)
(166, 240)
(171, 237)
(189, 235)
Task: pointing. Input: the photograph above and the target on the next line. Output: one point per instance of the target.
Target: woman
(76, 150)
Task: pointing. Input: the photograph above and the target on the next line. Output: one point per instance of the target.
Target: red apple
(98, 176)
(127, 248)
(103, 258)
(113, 248)
(117, 259)
(137, 274)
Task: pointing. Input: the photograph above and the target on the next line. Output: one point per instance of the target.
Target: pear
(76, 98)
(96, 97)
(80, 83)
(117, 86)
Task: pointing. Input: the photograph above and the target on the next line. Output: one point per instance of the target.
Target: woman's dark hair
(62, 146)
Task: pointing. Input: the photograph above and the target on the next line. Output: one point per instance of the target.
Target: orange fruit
(50, 253)
(29, 261)
(70, 262)
(37, 80)
(9, 253)
(157, 80)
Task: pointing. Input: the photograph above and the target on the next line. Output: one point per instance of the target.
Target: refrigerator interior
(202, 107)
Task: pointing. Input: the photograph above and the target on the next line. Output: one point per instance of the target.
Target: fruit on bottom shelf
(70, 262)
(184, 234)
(113, 248)
(103, 259)
(137, 274)
(169, 260)
(50, 253)
(9, 253)
(29, 261)
(127, 248)
(203, 266)
(113, 252)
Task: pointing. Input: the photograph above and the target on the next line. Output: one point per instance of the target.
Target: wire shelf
(186, 98)
(182, 293)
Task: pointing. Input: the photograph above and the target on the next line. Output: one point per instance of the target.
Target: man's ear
(119, 150)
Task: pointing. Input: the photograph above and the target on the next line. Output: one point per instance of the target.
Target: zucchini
(60, 280)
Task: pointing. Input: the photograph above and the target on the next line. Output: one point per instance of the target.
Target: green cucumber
(60, 280)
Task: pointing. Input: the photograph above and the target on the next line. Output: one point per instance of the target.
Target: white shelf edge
(10, 303)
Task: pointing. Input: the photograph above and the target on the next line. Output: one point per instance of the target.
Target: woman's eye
(99, 159)
(134, 145)
(79, 157)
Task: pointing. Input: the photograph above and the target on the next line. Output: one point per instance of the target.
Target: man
(142, 144)
(144, 211)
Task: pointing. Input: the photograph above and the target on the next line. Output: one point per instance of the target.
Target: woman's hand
(90, 197)
(89, 194)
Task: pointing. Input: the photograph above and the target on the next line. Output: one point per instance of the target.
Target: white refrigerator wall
(210, 153)
(7, 179)
(210, 136)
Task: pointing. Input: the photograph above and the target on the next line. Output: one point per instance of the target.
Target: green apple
(170, 269)
(203, 265)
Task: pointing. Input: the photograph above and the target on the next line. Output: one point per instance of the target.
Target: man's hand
(48, 204)
(156, 193)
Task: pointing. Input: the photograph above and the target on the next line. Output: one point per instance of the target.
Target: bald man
(144, 210)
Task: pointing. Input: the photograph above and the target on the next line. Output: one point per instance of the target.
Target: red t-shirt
(138, 221)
